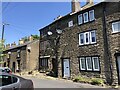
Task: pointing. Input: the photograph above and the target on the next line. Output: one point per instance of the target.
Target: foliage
(25, 39)
(93, 81)
(1, 49)
(97, 81)
(81, 79)
(35, 37)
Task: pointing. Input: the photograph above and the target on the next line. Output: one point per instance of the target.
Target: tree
(1, 50)
(35, 37)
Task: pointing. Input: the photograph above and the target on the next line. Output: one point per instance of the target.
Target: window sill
(115, 33)
(87, 44)
(89, 71)
(86, 22)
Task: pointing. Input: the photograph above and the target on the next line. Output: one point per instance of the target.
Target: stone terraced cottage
(89, 44)
(22, 57)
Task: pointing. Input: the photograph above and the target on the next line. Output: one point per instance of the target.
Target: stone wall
(69, 41)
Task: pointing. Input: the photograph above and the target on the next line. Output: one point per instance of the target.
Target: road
(48, 83)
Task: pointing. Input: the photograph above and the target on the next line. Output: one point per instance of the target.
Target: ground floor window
(89, 64)
(44, 62)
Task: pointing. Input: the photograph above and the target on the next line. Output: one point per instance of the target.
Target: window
(85, 15)
(116, 27)
(95, 63)
(8, 55)
(6, 80)
(14, 79)
(87, 38)
(44, 62)
(70, 23)
(18, 53)
(92, 37)
(80, 20)
(82, 63)
(89, 64)
(86, 35)
(81, 38)
(91, 15)
(44, 45)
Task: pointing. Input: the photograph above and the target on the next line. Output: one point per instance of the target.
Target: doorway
(66, 68)
(118, 61)
(13, 68)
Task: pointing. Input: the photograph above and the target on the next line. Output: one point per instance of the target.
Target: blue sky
(26, 18)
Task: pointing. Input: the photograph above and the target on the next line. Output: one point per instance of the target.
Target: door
(118, 59)
(13, 68)
(66, 68)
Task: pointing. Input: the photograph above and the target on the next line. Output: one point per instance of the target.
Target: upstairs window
(87, 38)
(85, 15)
(70, 23)
(91, 15)
(81, 39)
(86, 35)
(80, 19)
(18, 53)
(8, 55)
(93, 37)
(116, 27)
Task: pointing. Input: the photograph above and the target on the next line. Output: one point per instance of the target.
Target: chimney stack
(75, 6)
(13, 44)
(21, 41)
(30, 38)
(7, 46)
(88, 4)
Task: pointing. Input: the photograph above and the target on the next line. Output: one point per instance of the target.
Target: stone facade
(22, 57)
(106, 48)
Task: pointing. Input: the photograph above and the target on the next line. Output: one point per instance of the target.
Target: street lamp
(3, 30)
(56, 38)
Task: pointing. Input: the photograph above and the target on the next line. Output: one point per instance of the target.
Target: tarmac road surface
(48, 83)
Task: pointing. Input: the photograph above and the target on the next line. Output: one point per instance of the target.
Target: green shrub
(81, 79)
(93, 81)
(97, 81)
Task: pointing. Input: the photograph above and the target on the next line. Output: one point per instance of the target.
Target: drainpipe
(39, 53)
(106, 45)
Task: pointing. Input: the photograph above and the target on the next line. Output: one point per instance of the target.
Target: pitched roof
(22, 45)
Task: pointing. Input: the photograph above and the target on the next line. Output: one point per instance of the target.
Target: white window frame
(94, 64)
(91, 37)
(70, 23)
(81, 64)
(80, 39)
(80, 19)
(91, 15)
(88, 58)
(85, 37)
(113, 29)
(85, 15)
